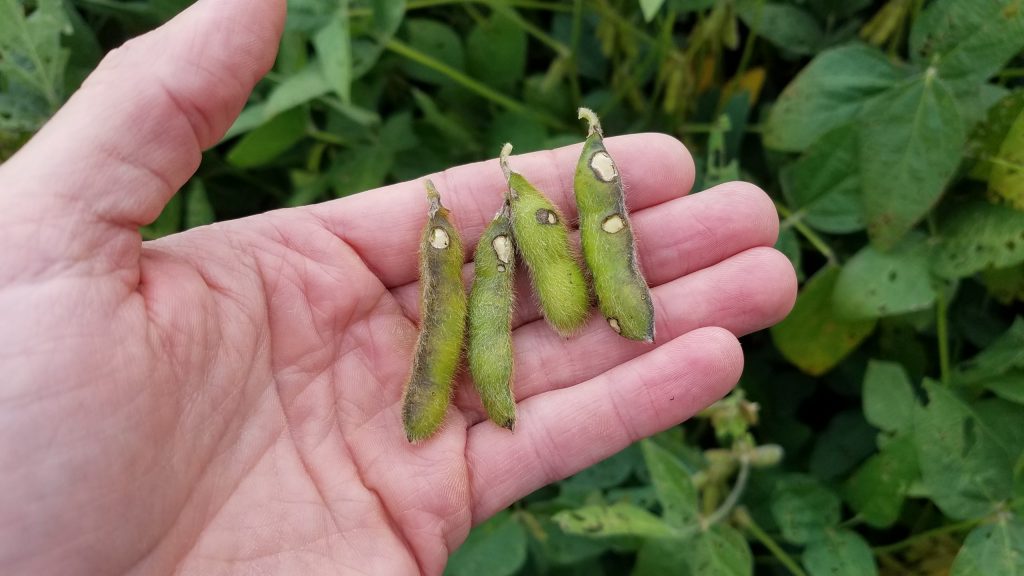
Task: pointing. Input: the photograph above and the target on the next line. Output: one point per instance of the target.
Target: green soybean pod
(606, 238)
(491, 299)
(542, 239)
(442, 324)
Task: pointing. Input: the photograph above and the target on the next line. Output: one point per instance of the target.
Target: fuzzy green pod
(442, 324)
(491, 298)
(542, 239)
(606, 238)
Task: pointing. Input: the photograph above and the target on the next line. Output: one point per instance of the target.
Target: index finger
(384, 225)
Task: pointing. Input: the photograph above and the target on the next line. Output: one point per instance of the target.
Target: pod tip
(506, 151)
(434, 199)
(593, 124)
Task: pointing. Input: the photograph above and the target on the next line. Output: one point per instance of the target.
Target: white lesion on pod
(602, 165)
(545, 216)
(613, 224)
(439, 238)
(615, 325)
(502, 249)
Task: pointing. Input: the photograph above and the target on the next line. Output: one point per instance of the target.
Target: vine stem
(947, 529)
(817, 241)
(942, 329)
(734, 496)
(744, 519)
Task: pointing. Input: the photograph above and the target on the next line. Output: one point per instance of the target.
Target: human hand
(228, 399)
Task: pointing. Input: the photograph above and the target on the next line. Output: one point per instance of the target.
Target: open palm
(228, 399)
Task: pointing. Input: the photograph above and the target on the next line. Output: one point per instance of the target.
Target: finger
(133, 134)
(674, 238)
(746, 293)
(563, 431)
(384, 225)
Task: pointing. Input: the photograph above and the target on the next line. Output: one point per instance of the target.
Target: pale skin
(227, 400)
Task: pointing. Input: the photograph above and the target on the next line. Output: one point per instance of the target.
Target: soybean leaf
(874, 284)
(839, 553)
(965, 466)
(607, 473)
(888, 397)
(268, 141)
(813, 337)
(877, 489)
(498, 547)
(561, 548)
(619, 519)
(198, 211)
(684, 6)
(788, 27)
(996, 548)
(1009, 386)
(846, 442)
(30, 47)
(387, 16)
(361, 169)
(496, 52)
(1004, 354)
(837, 9)
(437, 40)
(299, 88)
(825, 184)
(977, 236)
(911, 140)
(789, 244)
(168, 222)
(968, 41)
(527, 132)
(650, 8)
(723, 551)
(664, 556)
(988, 136)
(672, 483)
(333, 45)
(829, 92)
(1006, 180)
(803, 508)
(1005, 284)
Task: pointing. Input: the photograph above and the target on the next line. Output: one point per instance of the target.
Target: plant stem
(471, 84)
(748, 47)
(734, 496)
(744, 519)
(947, 529)
(942, 327)
(817, 241)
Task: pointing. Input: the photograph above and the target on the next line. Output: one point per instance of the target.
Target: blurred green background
(879, 429)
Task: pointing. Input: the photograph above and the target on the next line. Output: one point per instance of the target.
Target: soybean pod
(490, 320)
(542, 239)
(442, 324)
(606, 237)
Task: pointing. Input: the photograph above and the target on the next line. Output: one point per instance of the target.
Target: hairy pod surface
(490, 320)
(606, 238)
(542, 238)
(442, 324)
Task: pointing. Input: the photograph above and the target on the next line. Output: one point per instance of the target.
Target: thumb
(110, 159)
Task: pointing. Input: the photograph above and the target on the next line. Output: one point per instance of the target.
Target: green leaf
(789, 244)
(301, 87)
(978, 236)
(788, 27)
(1009, 386)
(498, 547)
(270, 140)
(664, 556)
(30, 47)
(828, 93)
(198, 211)
(438, 41)
(619, 519)
(965, 467)
(722, 551)
(387, 16)
(846, 442)
(361, 169)
(803, 508)
(672, 482)
(1005, 284)
(988, 136)
(968, 41)
(650, 8)
(839, 553)
(167, 223)
(993, 549)
(496, 52)
(877, 489)
(911, 140)
(1002, 355)
(824, 183)
(608, 473)
(888, 397)
(875, 284)
(1006, 180)
(813, 337)
(333, 45)
(527, 132)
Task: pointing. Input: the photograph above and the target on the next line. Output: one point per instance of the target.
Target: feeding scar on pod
(439, 238)
(613, 224)
(502, 248)
(602, 165)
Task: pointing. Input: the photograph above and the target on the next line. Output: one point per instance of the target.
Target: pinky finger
(563, 431)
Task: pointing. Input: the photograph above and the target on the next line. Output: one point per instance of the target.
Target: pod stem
(593, 124)
(506, 151)
(434, 198)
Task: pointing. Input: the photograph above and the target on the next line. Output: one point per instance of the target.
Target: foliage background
(879, 428)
